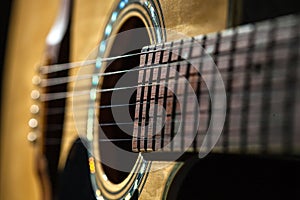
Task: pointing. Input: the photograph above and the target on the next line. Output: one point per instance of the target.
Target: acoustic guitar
(122, 93)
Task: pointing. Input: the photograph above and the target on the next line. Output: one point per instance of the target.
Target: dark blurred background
(5, 7)
(5, 10)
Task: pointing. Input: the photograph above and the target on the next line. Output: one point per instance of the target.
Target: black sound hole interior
(106, 118)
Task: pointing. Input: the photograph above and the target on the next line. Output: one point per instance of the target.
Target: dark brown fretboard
(260, 68)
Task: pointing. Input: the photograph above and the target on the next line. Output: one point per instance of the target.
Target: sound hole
(110, 127)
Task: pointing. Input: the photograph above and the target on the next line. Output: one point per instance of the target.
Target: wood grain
(30, 23)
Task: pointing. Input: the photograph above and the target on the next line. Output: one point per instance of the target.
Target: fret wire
(212, 89)
(141, 101)
(198, 94)
(174, 100)
(291, 77)
(246, 95)
(148, 100)
(156, 100)
(230, 71)
(187, 73)
(165, 99)
(267, 86)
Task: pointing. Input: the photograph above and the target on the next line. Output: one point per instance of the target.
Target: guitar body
(72, 170)
(174, 16)
(30, 25)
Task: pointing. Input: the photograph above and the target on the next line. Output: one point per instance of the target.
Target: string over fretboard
(259, 65)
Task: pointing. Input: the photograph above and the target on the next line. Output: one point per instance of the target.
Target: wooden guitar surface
(30, 24)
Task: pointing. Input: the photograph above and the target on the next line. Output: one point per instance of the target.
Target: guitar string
(45, 82)
(64, 66)
(121, 139)
(254, 122)
(252, 125)
(67, 94)
(54, 110)
(86, 92)
(175, 83)
(60, 67)
(57, 81)
(118, 71)
(127, 140)
(236, 110)
(237, 92)
(61, 80)
(61, 95)
(233, 137)
(254, 94)
(123, 123)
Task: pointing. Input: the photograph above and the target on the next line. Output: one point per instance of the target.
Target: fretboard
(260, 67)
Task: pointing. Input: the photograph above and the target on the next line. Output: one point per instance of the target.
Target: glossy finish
(30, 24)
(31, 21)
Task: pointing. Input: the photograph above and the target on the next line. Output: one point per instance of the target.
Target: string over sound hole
(110, 127)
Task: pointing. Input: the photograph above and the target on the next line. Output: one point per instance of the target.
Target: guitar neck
(259, 65)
